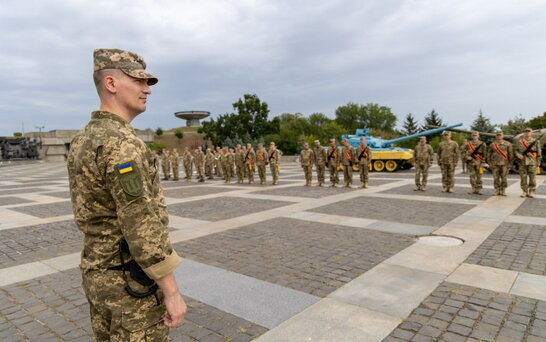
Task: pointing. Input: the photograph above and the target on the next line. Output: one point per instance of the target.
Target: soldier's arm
(143, 220)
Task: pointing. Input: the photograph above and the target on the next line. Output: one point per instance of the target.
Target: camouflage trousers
(274, 172)
(320, 173)
(250, 172)
(475, 176)
(465, 166)
(232, 170)
(527, 174)
(261, 173)
(421, 174)
(218, 168)
(308, 172)
(364, 173)
(209, 170)
(165, 167)
(118, 317)
(240, 173)
(188, 170)
(448, 175)
(176, 172)
(200, 171)
(226, 169)
(500, 172)
(334, 176)
(348, 174)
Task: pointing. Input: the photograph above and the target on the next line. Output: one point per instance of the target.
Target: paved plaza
(289, 263)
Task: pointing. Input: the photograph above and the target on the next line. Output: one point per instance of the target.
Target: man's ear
(110, 84)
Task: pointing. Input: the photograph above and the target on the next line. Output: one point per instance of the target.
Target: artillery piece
(384, 155)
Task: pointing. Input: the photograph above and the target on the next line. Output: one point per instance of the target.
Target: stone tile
(429, 214)
(436, 191)
(484, 277)
(186, 192)
(9, 200)
(21, 191)
(530, 285)
(301, 191)
(59, 194)
(531, 207)
(222, 208)
(46, 210)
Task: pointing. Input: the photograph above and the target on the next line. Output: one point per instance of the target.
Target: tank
(12, 148)
(386, 157)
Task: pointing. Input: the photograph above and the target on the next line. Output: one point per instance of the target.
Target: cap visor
(143, 75)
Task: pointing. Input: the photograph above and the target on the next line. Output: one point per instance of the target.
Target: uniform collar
(100, 114)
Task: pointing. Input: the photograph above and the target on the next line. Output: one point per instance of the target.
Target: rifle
(330, 156)
(362, 153)
(246, 157)
(528, 149)
(475, 153)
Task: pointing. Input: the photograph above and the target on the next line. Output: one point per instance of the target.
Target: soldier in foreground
(209, 164)
(529, 153)
(363, 158)
(306, 160)
(320, 161)
(474, 153)
(199, 162)
(239, 158)
(187, 159)
(118, 204)
(422, 161)
(448, 156)
(218, 162)
(175, 162)
(250, 163)
(499, 157)
(165, 164)
(227, 162)
(261, 162)
(332, 161)
(274, 162)
(347, 159)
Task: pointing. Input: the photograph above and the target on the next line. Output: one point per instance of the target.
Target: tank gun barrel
(387, 143)
(485, 134)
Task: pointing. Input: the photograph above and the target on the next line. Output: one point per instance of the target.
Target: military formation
(227, 163)
(499, 157)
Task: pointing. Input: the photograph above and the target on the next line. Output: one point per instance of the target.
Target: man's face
(500, 136)
(527, 134)
(447, 137)
(363, 141)
(305, 147)
(475, 138)
(132, 93)
(422, 141)
(317, 144)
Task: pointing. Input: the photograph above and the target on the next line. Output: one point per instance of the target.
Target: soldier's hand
(176, 310)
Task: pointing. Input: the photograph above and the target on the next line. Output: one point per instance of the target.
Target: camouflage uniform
(347, 158)
(448, 156)
(116, 194)
(187, 159)
(199, 162)
(261, 162)
(175, 161)
(274, 164)
(239, 164)
(333, 163)
(422, 158)
(165, 165)
(528, 165)
(227, 161)
(250, 163)
(209, 164)
(307, 157)
(320, 163)
(499, 156)
(218, 162)
(474, 165)
(365, 154)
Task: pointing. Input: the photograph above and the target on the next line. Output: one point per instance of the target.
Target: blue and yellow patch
(124, 168)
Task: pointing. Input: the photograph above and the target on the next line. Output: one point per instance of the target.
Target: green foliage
(538, 122)
(179, 134)
(514, 126)
(352, 116)
(433, 119)
(17, 134)
(483, 124)
(410, 125)
(460, 138)
(157, 146)
(159, 131)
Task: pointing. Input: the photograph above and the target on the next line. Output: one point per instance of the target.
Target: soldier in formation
(239, 158)
(187, 160)
(209, 164)
(250, 163)
(363, 158)
(448, 156)
(218, 162)
(175, 161)
(232, 164)
(332, 161)
(473, 156)
(320, 161)
(227, 161)
(529, 153)
(165, 164)
(307, 157)
(199, 162)
(261, 161)
(346, 160)
(422, 161)
(499, 158)
(274, 162)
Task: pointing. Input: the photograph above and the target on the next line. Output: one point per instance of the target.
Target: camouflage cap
(129, 62)
(475, 134)
(528, 129)
(422, 137)
(498, 133)
(317, 142)
(446, 133)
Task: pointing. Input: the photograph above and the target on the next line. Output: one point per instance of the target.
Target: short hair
(99, 75)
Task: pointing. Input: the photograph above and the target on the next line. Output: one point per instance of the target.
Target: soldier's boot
(449, 189)
(348, 186)
(524, 194)
(333, 185)
(503, 192)
(320, 184)
(472, 192)
(423, 187)
(478, 192)
(497, 192)
(444, 189)
(365, 185)
(531, 194)
(417, 188)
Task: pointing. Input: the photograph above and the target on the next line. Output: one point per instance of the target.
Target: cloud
(299, 56)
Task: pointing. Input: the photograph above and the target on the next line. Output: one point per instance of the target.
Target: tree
(515, 125)
(252, 116)
(410, 125)
(538, 122)
(159, 131)
(482, 124)
(179, 134)
(433, 119)
(352, 116)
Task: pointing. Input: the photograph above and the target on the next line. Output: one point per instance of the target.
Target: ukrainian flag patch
(124, 168)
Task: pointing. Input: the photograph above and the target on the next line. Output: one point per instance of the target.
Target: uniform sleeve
(510, 153)
(140, 207)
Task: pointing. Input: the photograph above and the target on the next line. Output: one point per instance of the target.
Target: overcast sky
(298, 56)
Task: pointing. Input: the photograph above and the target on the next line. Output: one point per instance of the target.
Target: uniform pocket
(139, 314)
